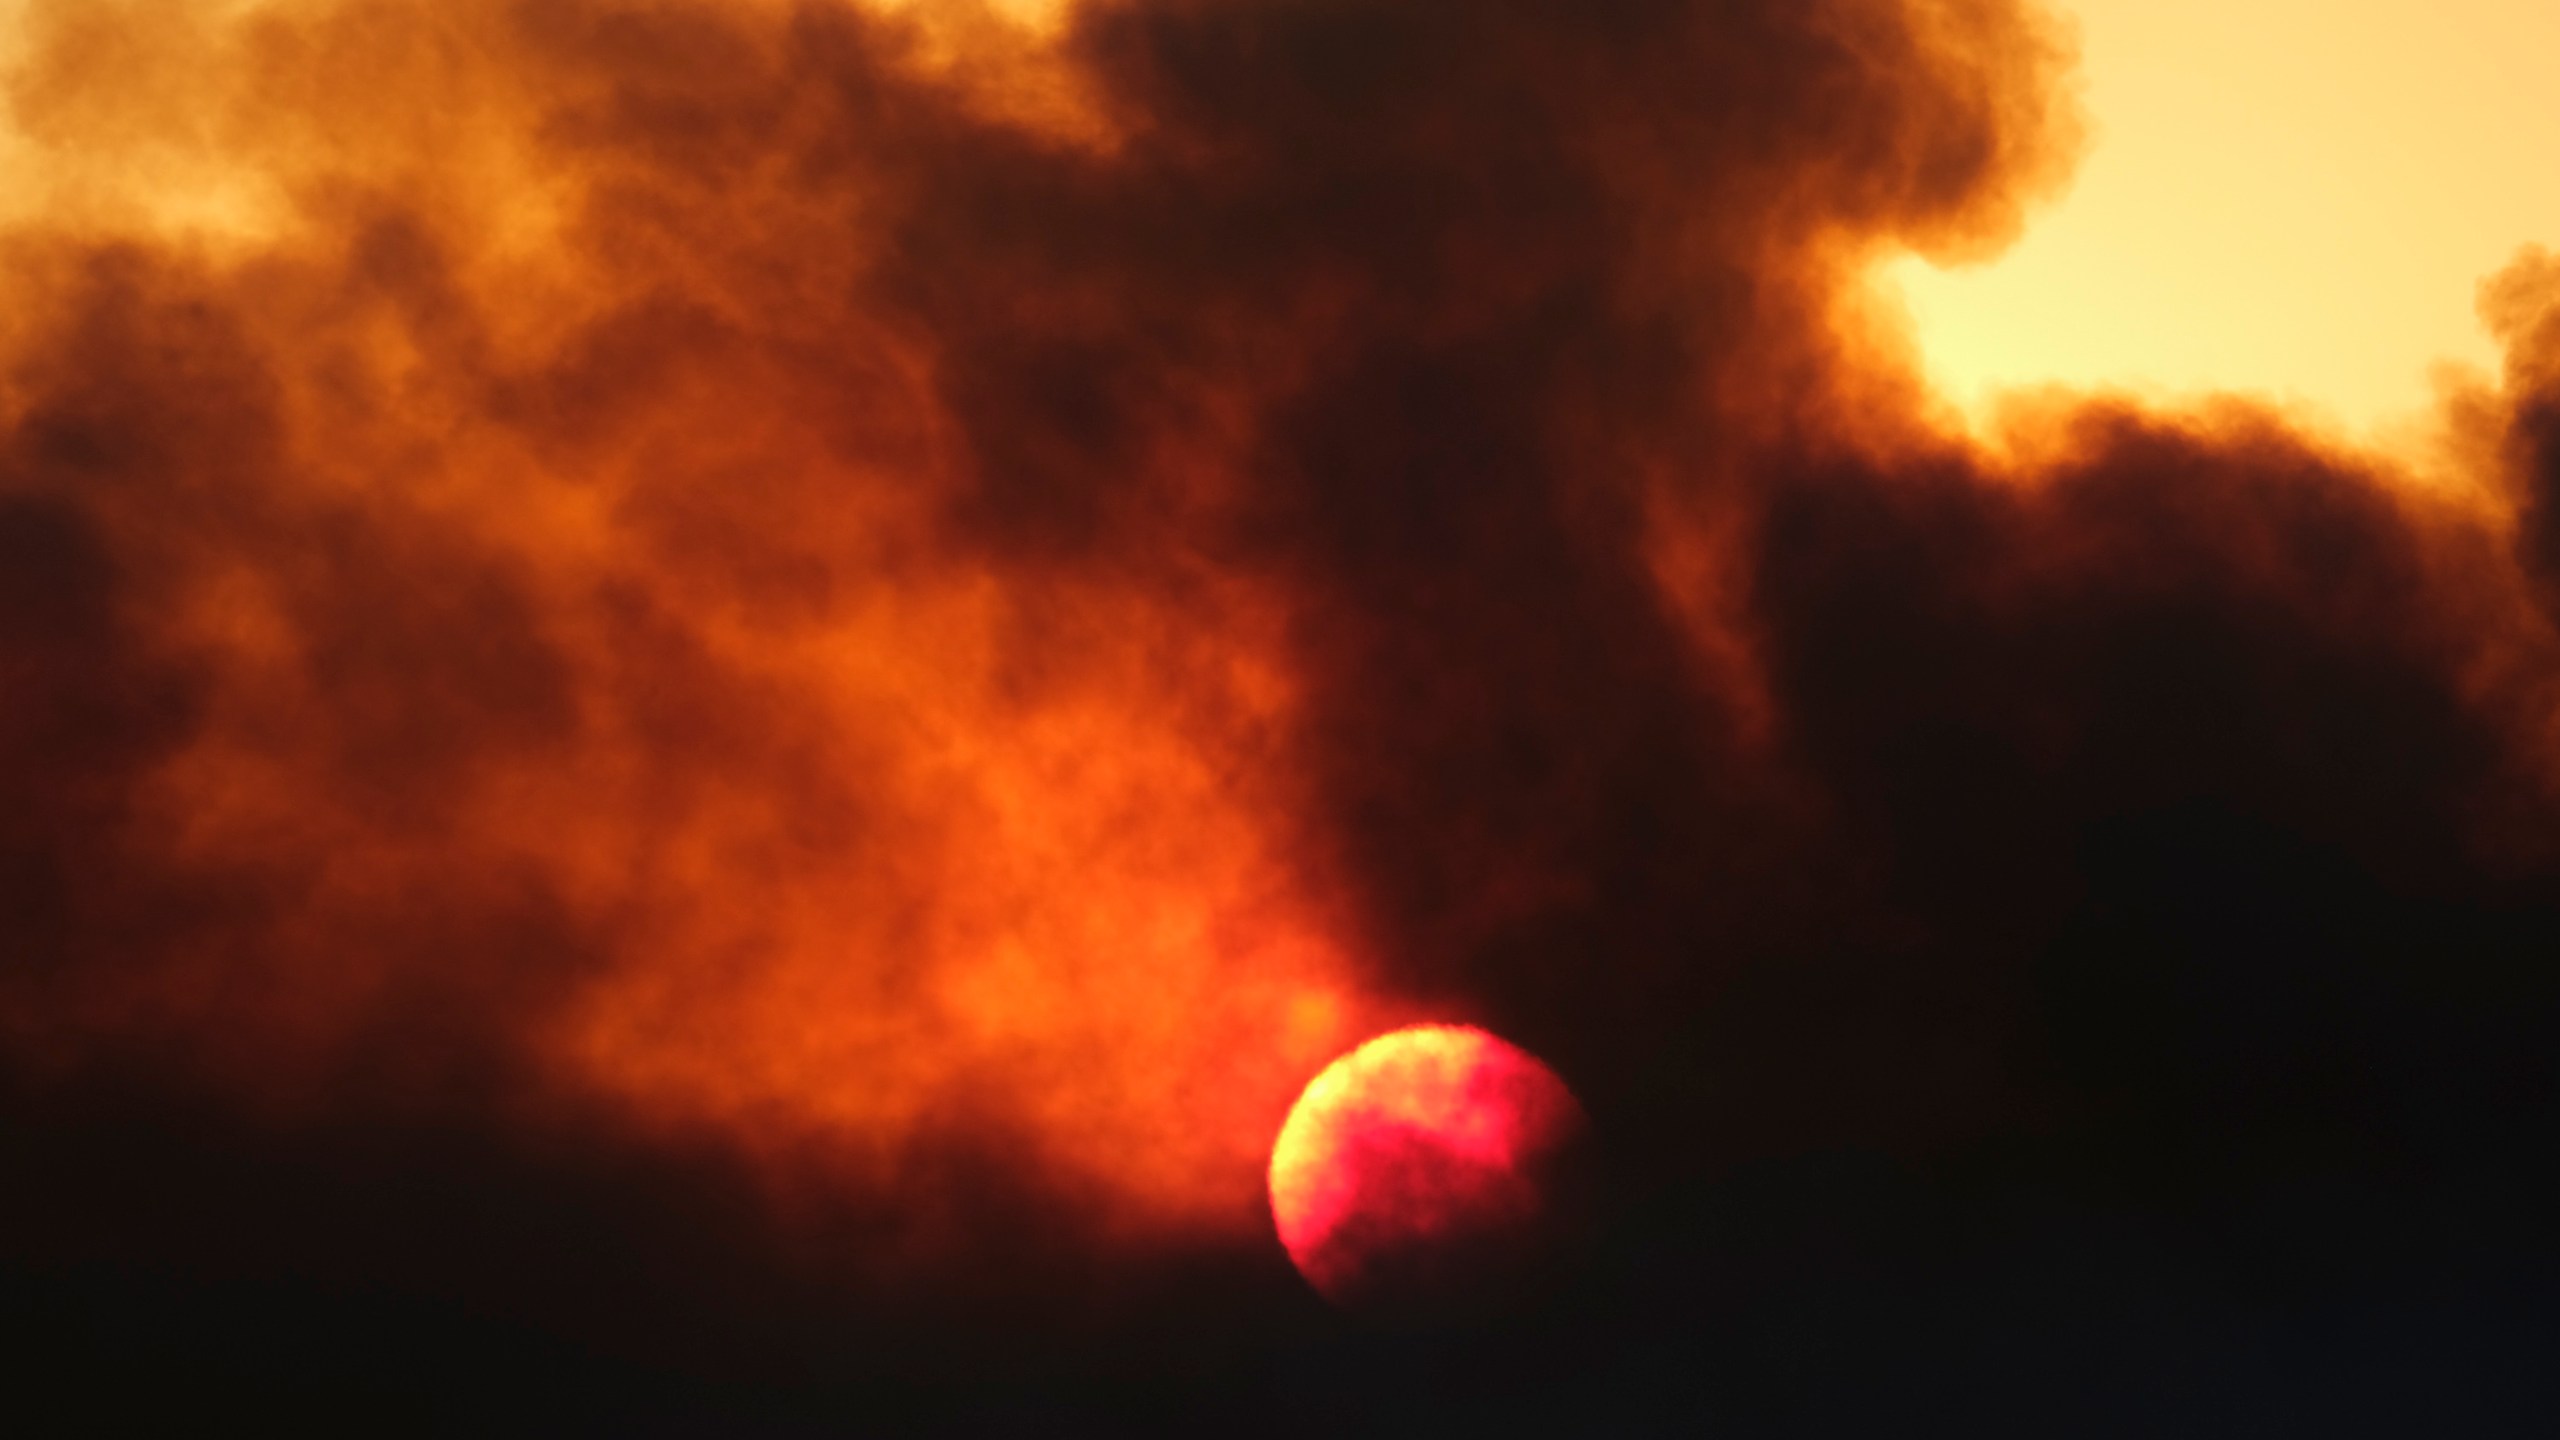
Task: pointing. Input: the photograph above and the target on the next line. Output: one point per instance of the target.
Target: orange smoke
(545, 547)
(854, 584)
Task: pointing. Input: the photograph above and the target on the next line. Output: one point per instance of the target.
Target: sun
(1435, 1171)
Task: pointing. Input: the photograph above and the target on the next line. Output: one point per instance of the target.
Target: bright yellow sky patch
(2291, 198)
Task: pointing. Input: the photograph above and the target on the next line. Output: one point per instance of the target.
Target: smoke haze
(746, 685)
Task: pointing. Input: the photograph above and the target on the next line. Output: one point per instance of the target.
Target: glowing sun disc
(1433, 1170)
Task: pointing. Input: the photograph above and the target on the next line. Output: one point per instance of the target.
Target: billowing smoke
(899, 619)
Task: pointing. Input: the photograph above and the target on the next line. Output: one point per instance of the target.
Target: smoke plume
(866, 631)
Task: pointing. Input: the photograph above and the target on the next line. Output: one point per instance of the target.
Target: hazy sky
(707, 707)
(2292, 197)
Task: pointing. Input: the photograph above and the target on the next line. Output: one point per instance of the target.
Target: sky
(2223, 136)
(708, 705)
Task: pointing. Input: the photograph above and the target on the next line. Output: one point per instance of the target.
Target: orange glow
(556, 593)
(2287, 198)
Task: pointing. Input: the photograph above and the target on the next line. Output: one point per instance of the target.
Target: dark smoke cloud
(741, 687)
